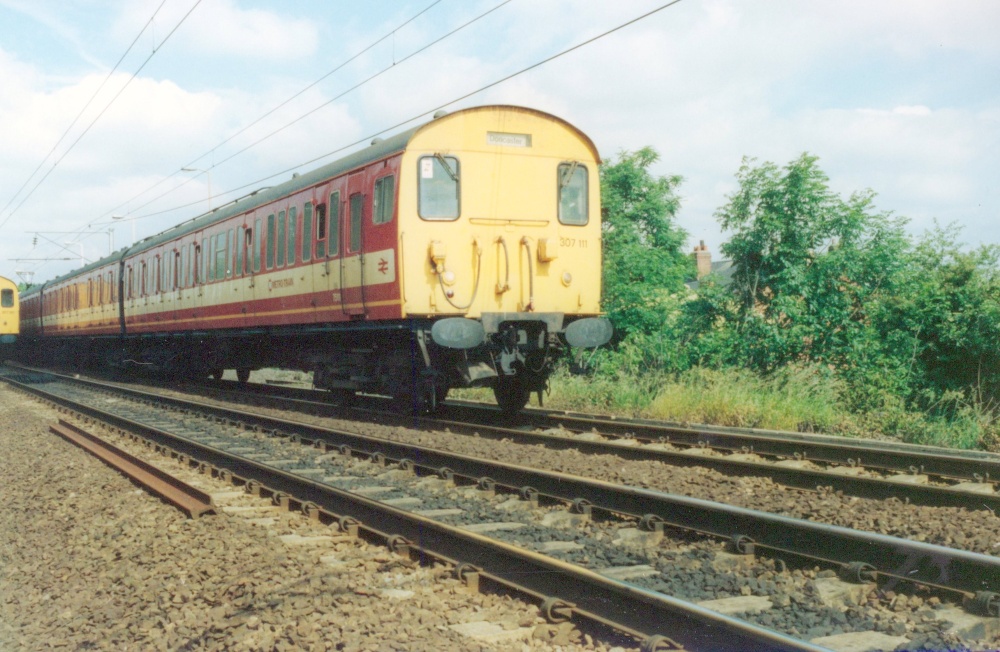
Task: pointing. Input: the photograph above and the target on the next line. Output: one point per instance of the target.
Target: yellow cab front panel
(499, 213)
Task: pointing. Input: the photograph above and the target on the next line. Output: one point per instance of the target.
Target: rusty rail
(189, 499)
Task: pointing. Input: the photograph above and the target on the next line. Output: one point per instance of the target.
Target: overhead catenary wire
(85, 107)
(311, 111)
(425, 112)
(271, 111)
(84, 232)
(99, 115)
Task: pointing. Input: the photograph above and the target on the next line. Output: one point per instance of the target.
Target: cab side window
(438, 188)
(572, 179)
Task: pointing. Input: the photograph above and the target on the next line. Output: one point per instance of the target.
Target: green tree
(644, 267)
(812, 272)
(951, 310)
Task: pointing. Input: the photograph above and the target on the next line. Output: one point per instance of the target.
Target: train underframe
(410, 360)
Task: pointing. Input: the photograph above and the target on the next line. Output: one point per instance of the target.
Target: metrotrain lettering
(280, 283)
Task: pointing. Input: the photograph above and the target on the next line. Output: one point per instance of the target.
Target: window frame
(292, 233)
(307, 231)
(356, 222)
(420, 187)
(384, 200)
(270, 241)
(334, 230)
(258, 234)
(575, 166)
(281, 245)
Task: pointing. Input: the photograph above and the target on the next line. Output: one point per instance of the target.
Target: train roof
(379, 148)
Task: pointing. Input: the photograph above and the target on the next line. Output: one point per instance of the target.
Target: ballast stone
(967, 625)
(491, 632)
(739, 605)
(839, 594)
(860, 642)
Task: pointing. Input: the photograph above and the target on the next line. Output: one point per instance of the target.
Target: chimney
(702, 260)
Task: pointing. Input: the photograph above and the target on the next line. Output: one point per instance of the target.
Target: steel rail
(891, 557)
(192, 501)
(896, 457)
(890, 456)
(802, 478)
(583, 592)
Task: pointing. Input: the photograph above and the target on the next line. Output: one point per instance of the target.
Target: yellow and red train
(9, 308)
(463, 252)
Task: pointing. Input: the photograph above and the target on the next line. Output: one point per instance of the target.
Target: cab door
(352, 257)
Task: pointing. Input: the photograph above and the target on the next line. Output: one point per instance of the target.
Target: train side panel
(223, 278)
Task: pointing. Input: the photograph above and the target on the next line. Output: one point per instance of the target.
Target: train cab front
(502, 246)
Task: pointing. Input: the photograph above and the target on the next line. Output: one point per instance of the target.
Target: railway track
(921, 475)
(611, 570)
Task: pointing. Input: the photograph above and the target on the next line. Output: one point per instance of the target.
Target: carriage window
(321, 231)
(270, 241)
(142, 279)
(281, 239)
(293, 219)
(206, 259)
(242, 243)
(7, 298)
(213, 243)
(198, 264)
(439, 187)
(307, 232)
(230, 246)
(334, 230)
(385, 194)
(357, 210)
(220, 256)
(257, 231)
(572, 193)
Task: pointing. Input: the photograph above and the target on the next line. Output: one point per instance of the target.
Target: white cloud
(704, 83)
(222, 27)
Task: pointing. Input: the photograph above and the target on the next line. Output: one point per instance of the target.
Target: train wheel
(512, 393)
(215, 374)
(243, 375)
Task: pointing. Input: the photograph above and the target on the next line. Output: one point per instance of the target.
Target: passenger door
(352, 257)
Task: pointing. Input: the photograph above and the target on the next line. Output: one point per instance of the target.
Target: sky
(104, 102)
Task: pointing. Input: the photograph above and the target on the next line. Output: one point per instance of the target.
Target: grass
(801, 399)
(795, 399)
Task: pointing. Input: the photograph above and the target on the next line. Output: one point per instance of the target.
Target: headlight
(567, 278)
